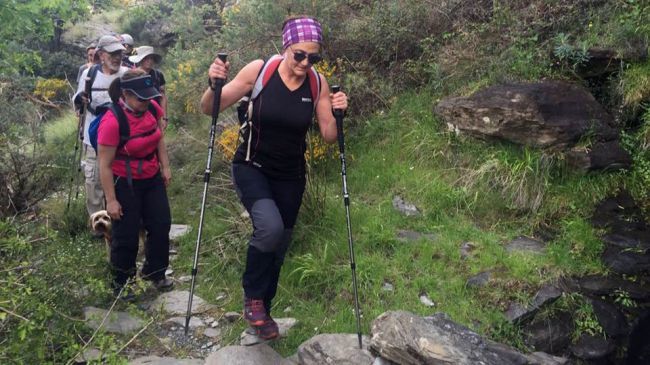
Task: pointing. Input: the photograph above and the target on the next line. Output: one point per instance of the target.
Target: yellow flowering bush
(317, 149)
(51, 89)
(228, 141)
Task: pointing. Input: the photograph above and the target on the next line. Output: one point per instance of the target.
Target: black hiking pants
(273, 207)
(144, 205)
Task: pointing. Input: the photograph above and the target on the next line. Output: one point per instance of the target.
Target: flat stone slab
(248, 337)
(155, 360)
(178, 230)
(526, 244)
(116, 322)
(260, 354)
(175, 303)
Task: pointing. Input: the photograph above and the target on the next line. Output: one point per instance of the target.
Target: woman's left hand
(166, 175)
(339, 100)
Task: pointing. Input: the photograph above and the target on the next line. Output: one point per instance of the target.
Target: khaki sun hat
(109, 43)
(143, 51)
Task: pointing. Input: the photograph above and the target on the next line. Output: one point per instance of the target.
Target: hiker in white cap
(93, 92)
(146, 59)
(128, 43)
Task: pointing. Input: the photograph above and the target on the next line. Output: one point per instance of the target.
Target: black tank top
(281, 119)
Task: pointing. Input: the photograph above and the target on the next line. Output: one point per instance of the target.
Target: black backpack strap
(153, 111)
(123, 123)
(90, 80)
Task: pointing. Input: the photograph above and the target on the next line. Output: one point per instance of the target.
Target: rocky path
(397, 337)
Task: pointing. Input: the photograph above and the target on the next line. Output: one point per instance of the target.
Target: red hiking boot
(254, 312)
(269, 330)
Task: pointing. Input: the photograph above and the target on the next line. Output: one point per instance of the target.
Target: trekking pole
(338, 115)
(76, 158)
(216, 104)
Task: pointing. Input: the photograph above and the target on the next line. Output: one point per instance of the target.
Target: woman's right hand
(114, 210)
(218, 69)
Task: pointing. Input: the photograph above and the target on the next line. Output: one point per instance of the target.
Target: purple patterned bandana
(301, 30)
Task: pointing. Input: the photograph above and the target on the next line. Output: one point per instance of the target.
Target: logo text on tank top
(306, 100)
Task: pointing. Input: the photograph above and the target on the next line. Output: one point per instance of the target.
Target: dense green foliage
(395, 59)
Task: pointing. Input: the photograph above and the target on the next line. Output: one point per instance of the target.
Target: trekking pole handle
(338, 115)
(223, 57)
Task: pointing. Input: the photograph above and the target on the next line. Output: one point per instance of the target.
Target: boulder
(260, 354)
(549, 114)
(608, 155)
(542, 358)
(610, 318)
(606, 61)
(404, 207)
(405, 338)
(599, 285)
(550, 334)
(342, 349)
(626, 254)
(591, 347)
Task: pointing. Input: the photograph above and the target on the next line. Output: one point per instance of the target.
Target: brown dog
(101, 222)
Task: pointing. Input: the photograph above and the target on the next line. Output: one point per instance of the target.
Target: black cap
(141, 86)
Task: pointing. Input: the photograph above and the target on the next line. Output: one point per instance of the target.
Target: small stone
(185, 279)
(245, 214)
(387, 287)
(466, 249)
(208, 319)
(404, 207)
(173, 251)
(424, 299)
(287, 309)
(221, 296)
(232, 316)
(214, 324)
(478, 280)
(211, 332)
(178, 230)
(168, 272)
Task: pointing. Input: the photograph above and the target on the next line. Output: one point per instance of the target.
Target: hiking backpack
(125, 135)
(122, 122)
(245, 108)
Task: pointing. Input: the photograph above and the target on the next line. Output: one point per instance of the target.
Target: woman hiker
(147, 60)
(268, 168)
(134, 174)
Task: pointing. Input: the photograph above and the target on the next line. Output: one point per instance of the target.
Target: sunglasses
(312, 58)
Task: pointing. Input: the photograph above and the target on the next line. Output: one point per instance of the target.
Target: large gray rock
(340, 349)
(406, 339)
(115, 322)
(550, 114)
(260, 354)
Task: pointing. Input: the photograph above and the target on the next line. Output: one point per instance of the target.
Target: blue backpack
(125, 130)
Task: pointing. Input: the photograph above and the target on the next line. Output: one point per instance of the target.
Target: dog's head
(101, 222)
